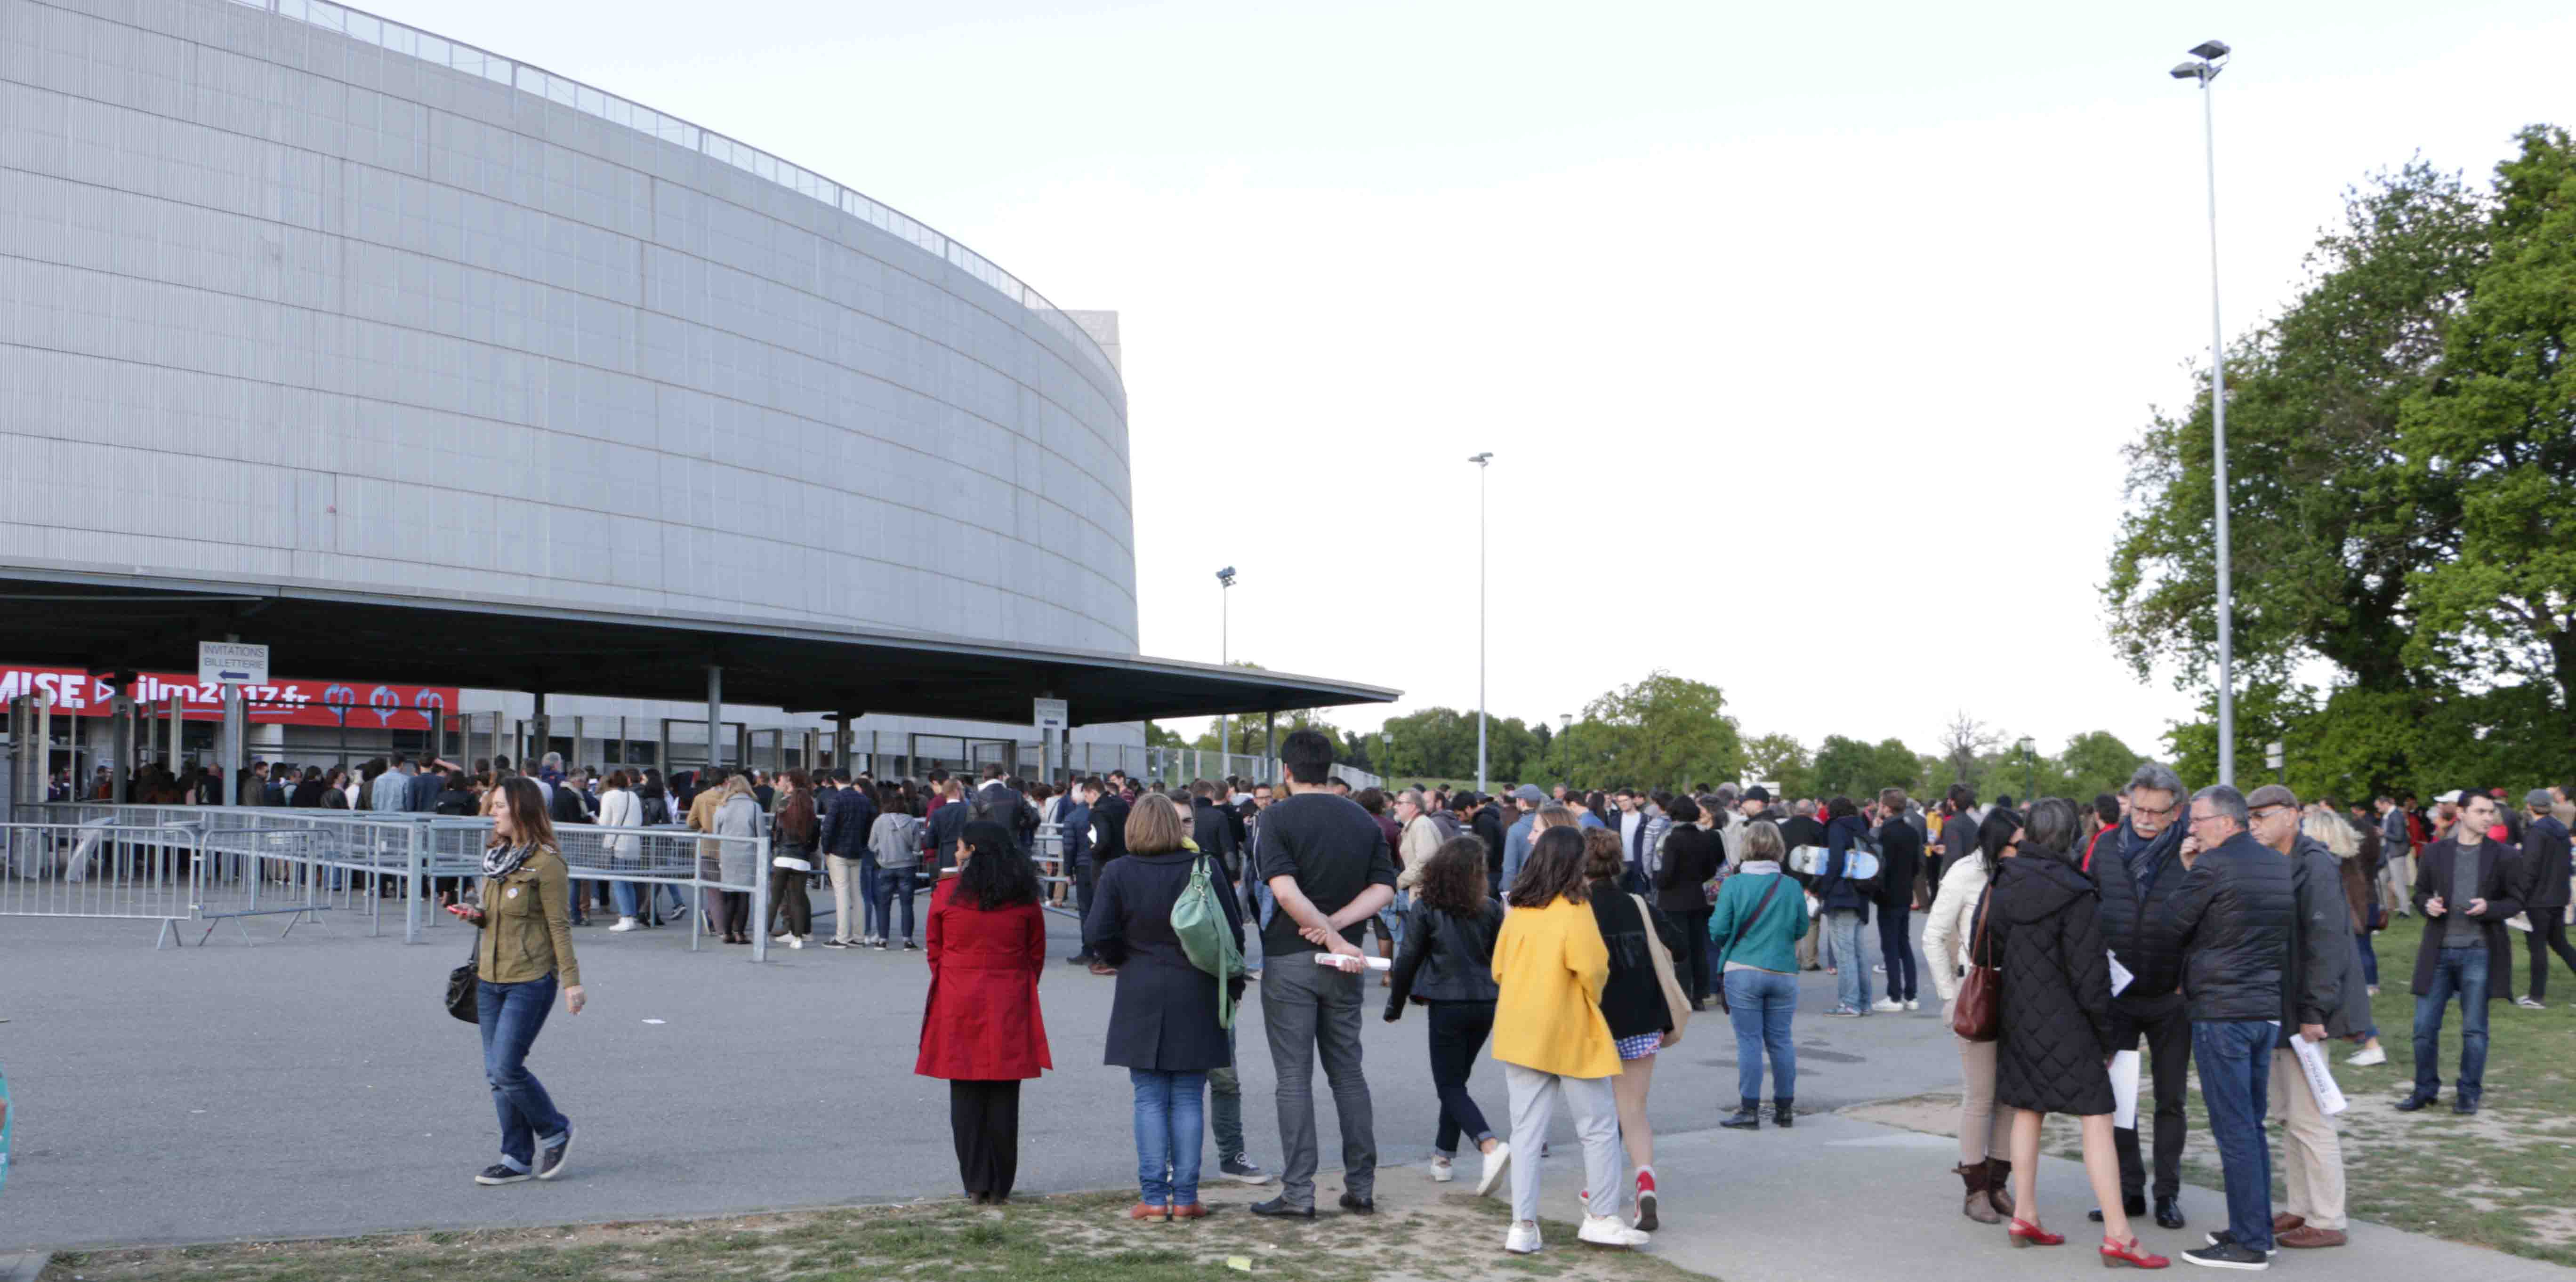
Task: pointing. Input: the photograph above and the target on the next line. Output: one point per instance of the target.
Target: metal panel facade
(278, 302)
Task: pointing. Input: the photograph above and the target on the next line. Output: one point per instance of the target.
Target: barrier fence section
(269, 861)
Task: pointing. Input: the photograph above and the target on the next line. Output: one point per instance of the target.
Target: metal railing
(367, 28)
(100, 869)
(267, 860)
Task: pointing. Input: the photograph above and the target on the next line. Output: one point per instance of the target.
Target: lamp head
(1225, 577)
(2210, 50)
(1480, 459)
(2194, 70)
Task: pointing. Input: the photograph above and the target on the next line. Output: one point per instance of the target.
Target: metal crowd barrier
(298, 863)
(101, 869)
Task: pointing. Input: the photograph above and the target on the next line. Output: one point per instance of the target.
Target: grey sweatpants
(1310, 1011)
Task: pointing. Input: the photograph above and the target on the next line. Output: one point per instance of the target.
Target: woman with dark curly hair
(1447, 965)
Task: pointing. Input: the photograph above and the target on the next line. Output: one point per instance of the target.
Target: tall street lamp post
(1481, 461)
(1224, 645)
(2208, 58)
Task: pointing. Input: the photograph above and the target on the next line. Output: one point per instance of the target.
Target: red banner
(368, 705)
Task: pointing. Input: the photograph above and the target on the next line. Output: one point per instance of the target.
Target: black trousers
(2165, 1023)
(1458, 1031)
(984, 1117)
(2547, 936)
(787, 895)
(1898, 947)
(1694, 924)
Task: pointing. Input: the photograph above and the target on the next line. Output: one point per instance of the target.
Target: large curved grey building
(295, 292)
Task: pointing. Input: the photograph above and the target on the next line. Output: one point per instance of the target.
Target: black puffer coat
(2056, 1009)
(2231, 917)
(2133, 916)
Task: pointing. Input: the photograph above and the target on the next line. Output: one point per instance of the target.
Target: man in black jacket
(1900, 847)
(2544, 891)
(2465, 885)
(2137, 869)
(2231, 920)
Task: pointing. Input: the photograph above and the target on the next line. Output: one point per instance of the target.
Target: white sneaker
(625, 923)
(1523, 1239)
(1496, 1162)
(1443, 1170)
(2528, 1004)
(796, 941)
(1603, 1230)
(2367, 1056)
(1913, 1003)
(1887, 1006)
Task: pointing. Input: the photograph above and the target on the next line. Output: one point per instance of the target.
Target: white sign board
(1049, 714)
(231, 663)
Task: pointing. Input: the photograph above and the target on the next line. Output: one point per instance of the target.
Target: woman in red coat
(981, 1028)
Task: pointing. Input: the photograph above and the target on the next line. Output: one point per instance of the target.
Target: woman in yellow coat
(1550, 1037)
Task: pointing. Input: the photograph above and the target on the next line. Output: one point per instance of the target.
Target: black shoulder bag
(461, 983)
(1740, 928)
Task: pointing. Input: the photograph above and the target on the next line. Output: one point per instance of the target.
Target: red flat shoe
(2025, 1233)
(2115, 1255)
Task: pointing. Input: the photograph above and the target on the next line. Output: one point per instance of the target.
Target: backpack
(1198, 921)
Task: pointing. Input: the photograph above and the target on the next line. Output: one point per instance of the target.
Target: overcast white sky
(1757, 307)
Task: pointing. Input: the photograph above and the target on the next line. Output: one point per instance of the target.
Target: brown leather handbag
(1973, 1015)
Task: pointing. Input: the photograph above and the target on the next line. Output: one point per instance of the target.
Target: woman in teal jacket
(1753, 940)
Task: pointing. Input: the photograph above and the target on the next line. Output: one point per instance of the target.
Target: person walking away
(2137, 868)
(1900, 862)
(1846, 909)
(793, 830)
(1952, 941)
(2465, 886)
(1327, 869)
(1760, 916)
(2356, 887)
(2544, 892)
(895, 840)
(618, 808)
(1164, 1026)
(525, 954)
(1447, 966)
(1691, 859)
(737, 816)
(2321, 998)
(1550, 966)
(2054, 1037)
(981, 1027)
(2230, 920)
(1642, 1019)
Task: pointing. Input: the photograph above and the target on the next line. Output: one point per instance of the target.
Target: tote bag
(1198, 920)
(1675, 1000)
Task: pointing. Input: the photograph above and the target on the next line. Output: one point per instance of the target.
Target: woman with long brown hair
(525, 914)
(1447, 964)
(791, 857)
(1549, 1036)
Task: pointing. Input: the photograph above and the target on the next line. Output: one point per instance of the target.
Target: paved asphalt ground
(316, 1085)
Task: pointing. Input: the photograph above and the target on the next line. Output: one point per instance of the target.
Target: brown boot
(1999, 1185)
(1976, 1207)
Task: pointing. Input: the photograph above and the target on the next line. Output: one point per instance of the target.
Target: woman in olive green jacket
(524, 955)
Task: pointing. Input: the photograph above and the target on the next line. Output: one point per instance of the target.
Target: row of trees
(2402, 455)
(1671, 732)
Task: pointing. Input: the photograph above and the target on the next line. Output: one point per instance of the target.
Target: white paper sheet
(2124, 1090)
(2120, 976)
(1353, 964)
(2321, 1082)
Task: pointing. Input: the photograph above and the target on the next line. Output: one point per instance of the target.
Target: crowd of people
(1572, 936)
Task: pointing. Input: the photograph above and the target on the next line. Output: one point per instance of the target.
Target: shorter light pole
(1481, 461)
(2029, 773)
(1224, 659)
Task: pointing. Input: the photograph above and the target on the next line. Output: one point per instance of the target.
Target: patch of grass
(1077, 1238)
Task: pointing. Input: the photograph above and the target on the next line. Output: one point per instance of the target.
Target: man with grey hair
(2230, 920)
(2137, 868)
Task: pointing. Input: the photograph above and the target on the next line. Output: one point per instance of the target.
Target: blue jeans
(2369, 960)
(1390, 919)
(2462, 971)
(2235, 1061)
(1171, 1123)
(511, 1015)
(1851, 961)
(1761, 1004)
(873, 911)
(633, 897)
(894, 885)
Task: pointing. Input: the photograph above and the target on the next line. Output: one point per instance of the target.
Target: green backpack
(1199, 921)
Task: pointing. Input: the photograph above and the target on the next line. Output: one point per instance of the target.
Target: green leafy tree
(1784, 761)
(2094, 763)
(1851, 768)
(1662, 732)
(1433, 743)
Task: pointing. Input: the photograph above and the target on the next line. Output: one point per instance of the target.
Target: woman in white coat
(1949, 941)
(619, 807)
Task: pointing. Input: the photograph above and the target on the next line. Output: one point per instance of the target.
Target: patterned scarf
(501, 861)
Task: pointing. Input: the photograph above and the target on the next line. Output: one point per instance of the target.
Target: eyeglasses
(2261, 811)
(2136, 809)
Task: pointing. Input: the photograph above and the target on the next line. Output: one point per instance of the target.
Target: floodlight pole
(2208, 71)
(1482, 461)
